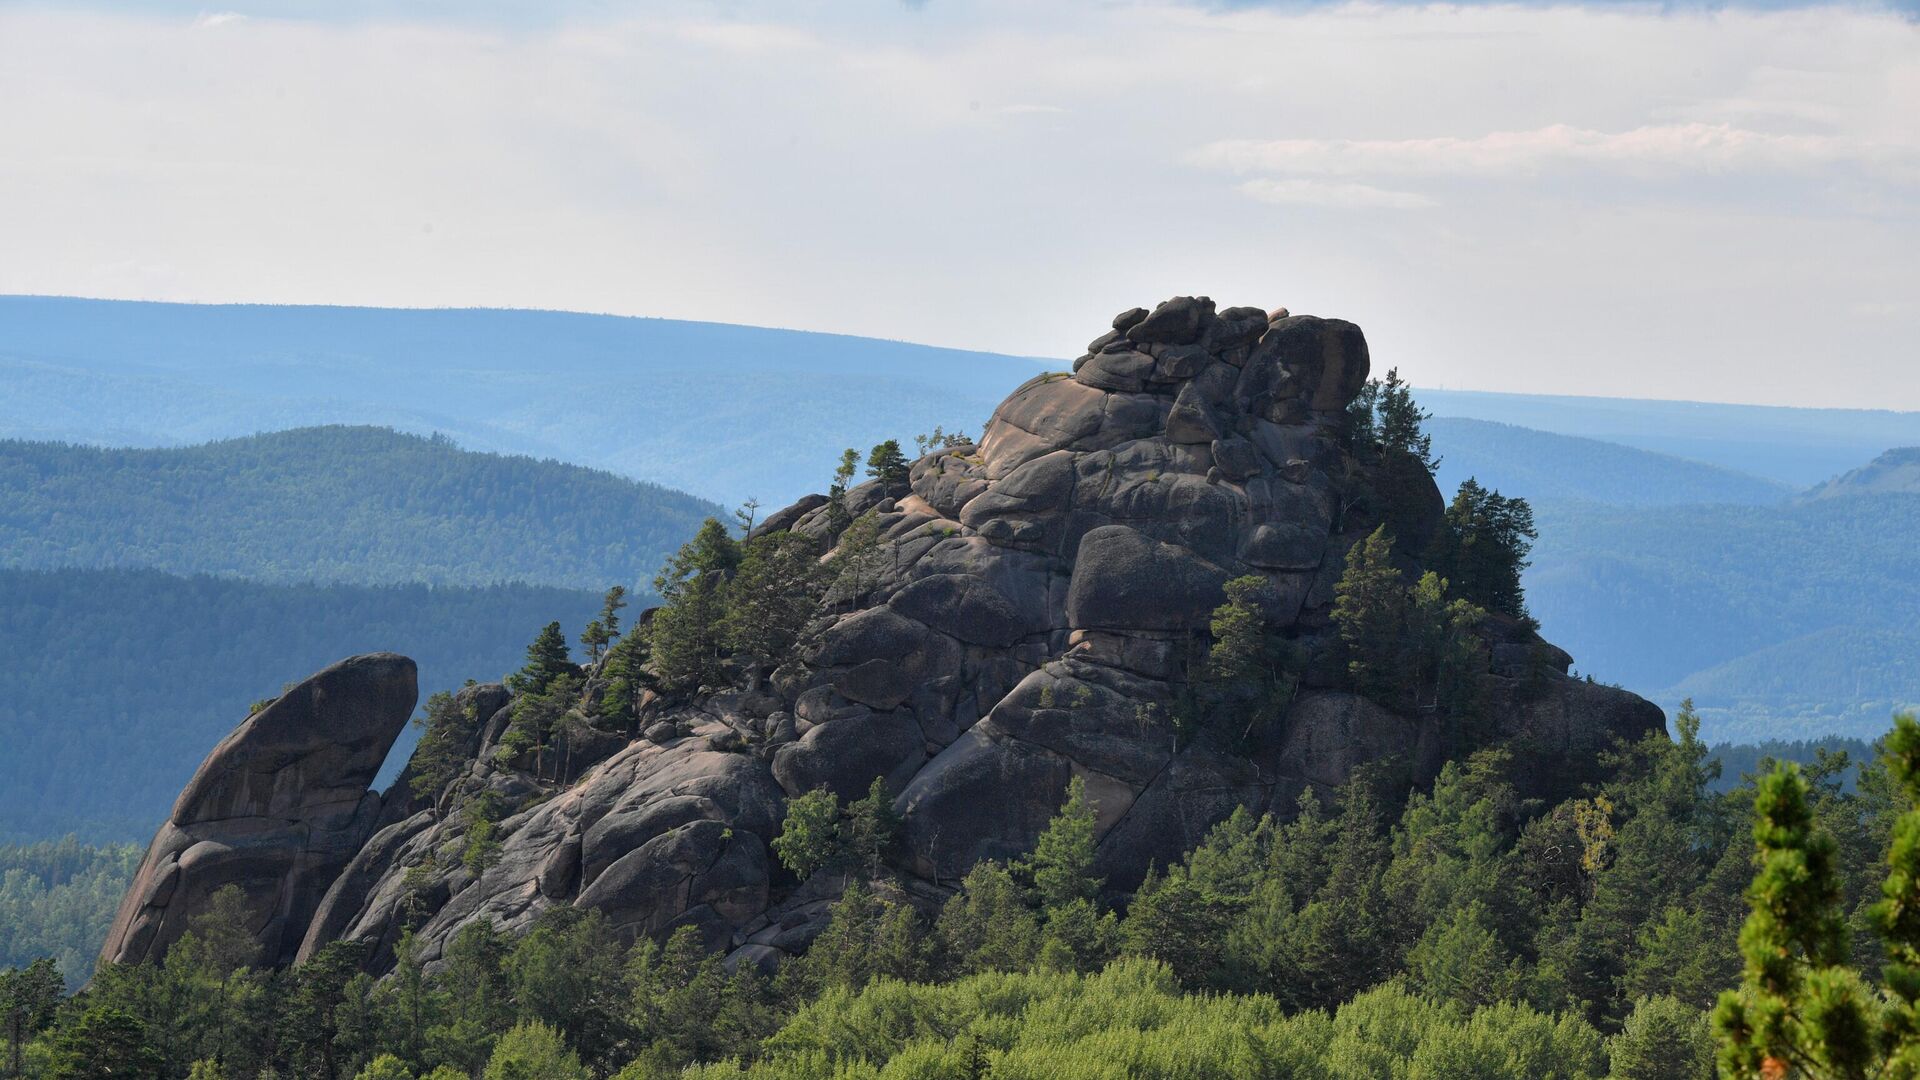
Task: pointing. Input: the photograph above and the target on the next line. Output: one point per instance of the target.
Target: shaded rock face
(1038, 599)
(278, 809)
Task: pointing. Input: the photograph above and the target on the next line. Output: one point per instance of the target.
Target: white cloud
(1656, 148)
(1343, 195)
(218, 18)
(1003, 174)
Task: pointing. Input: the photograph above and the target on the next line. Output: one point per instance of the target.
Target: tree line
(1456, 931)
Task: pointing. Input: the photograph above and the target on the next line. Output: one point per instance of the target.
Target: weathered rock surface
(278, 809)
(1029, 617)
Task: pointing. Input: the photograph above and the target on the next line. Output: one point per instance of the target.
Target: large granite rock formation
(1030, 616)
(277, 809)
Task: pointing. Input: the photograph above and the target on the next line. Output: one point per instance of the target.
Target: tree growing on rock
(687, 634)
(605, 629)
(773, 595)
(1370, 612)
(547, 660)
(442, 754)
(887, 464)
(809, 835)
(1246, 668)
(1483, 546)
(837, 513)
(1407, 646)
(624, 679)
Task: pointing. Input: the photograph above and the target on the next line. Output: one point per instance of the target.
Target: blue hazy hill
(359, 505)
(722, 411)
(1792, 446)
(1542, 465)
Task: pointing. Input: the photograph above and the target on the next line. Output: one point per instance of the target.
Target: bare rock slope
(1031, 616)
(277, 809)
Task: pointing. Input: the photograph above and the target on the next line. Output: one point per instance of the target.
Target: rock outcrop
(278, 809)
(1031, 615)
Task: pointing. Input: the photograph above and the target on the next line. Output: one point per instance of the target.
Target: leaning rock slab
(278, 809)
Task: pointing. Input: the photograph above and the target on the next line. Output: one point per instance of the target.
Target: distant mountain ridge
(1895, 472)
(1785, 621)
(1798, 447)
(724, 411)
(336, 504)
(1540, 465)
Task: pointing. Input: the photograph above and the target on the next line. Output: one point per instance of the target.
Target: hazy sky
(1716, 203)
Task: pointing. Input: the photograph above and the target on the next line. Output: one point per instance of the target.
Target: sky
(1714, 203)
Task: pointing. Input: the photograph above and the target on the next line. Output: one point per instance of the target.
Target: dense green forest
(346, 504)
(1461, 931)
(1780, 621)
(57, 898)
(119, 681)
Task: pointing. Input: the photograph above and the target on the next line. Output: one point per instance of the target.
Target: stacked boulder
(1029, 615)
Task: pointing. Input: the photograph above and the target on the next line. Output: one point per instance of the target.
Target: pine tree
(28, 997)
(1662, 1039)
(987, 926)
(687, 635)
(1370, 612)
(838, 516)
(443, 750)
(1400, 421)
(105, 1044)
(887, 464)
(870, 829)
(602, 631)
(1799, 1010)
(1062, 859)
(1483, 546)
(547, 660)
(625, 680)
(773, 595)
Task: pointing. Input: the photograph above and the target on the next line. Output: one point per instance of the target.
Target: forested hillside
(1542, 466)
(1784, 621)
(349, 504)
(118, 682)
(1798, 447)
(56, 899)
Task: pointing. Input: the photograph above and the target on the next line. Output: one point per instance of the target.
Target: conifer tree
(1799, 1010)
(887, 464)
(870, 829)
(1370, 612)
(547, 660)
(1400, 420)
(28, 997)
(604, 629)
(773, 595)
(687, 635)
(987, 926)
(1483, 546)
(105, 1044)
(1062, 860)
